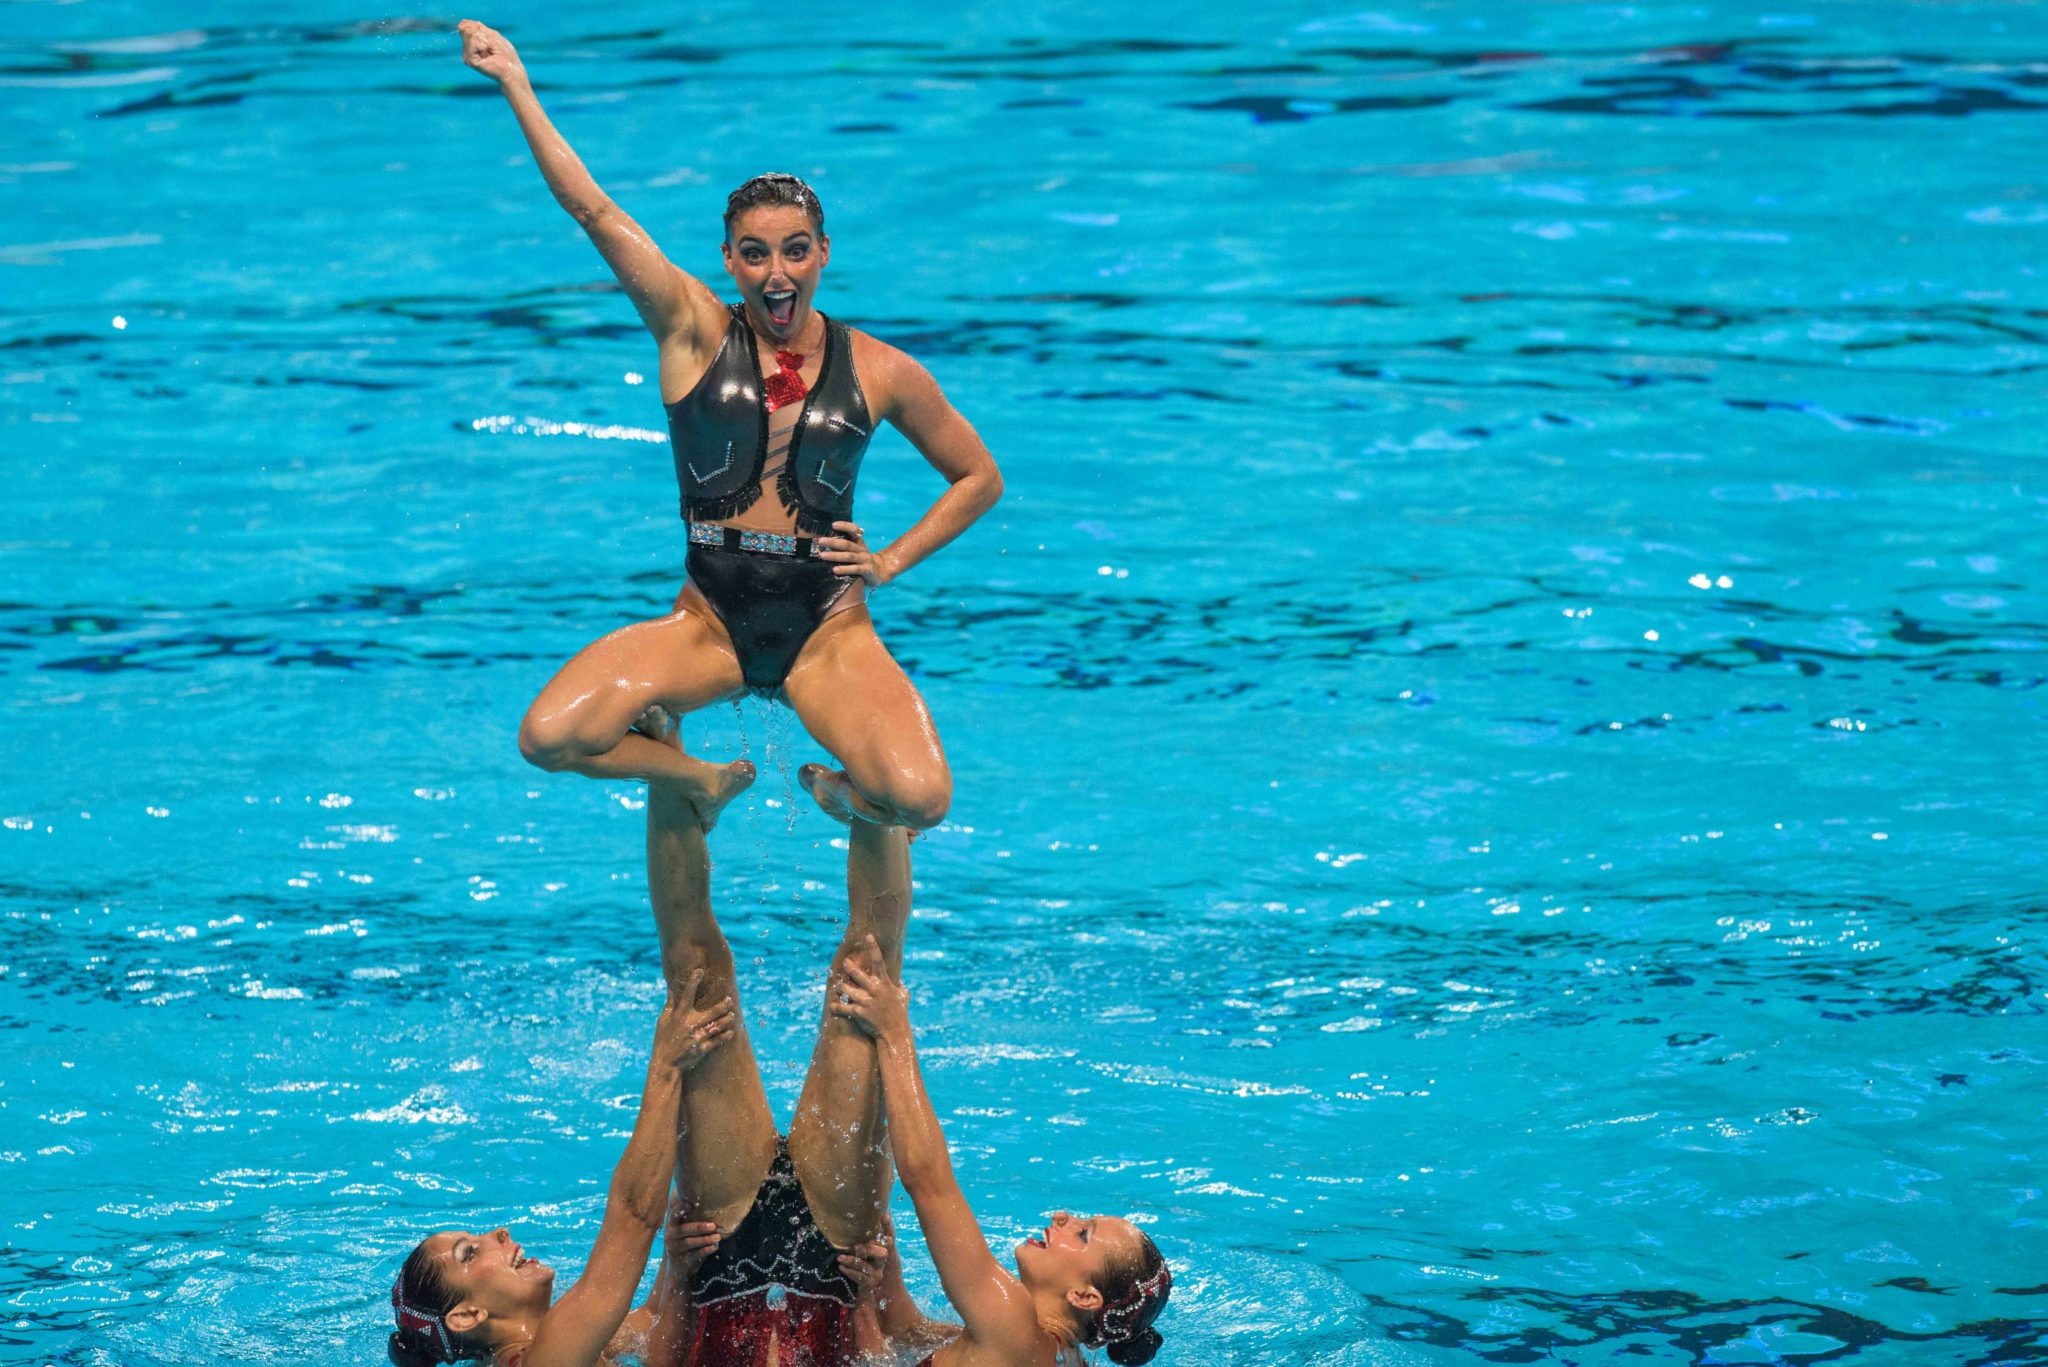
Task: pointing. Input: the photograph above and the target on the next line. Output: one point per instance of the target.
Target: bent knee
(922, 802)
(549, 743)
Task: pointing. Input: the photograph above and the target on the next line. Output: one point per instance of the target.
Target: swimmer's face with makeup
(1074, 1255)
(492, 1277)
(774, 253)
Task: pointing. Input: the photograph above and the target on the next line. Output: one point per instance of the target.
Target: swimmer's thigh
(680, 662)
(857, 702)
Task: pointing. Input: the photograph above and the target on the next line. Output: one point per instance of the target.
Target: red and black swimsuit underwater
(772, 1294)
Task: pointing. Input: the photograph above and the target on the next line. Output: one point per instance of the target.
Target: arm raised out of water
(1001, 1322)
(581, 1324)
(664, 1321)
(676, 306)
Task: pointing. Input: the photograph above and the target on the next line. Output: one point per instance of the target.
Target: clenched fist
(486, 49)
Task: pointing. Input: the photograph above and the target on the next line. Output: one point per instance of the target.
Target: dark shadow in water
(1749, 78)
(1300, 109)
(1658, 1323)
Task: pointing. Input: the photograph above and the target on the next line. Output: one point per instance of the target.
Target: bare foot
(722, 784)
(830, 790)
(709, 786)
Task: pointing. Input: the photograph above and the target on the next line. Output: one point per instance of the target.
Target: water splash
(739, 719)
(778, 751)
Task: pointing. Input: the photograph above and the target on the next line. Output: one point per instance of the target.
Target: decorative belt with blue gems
(760, 543)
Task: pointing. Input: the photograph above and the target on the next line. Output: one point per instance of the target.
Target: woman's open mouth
(781, 305)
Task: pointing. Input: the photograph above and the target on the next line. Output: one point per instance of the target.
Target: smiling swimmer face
(1073, 1253)
(490, 1272)
(774, 253)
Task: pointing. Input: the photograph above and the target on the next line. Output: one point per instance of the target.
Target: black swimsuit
(765, 586)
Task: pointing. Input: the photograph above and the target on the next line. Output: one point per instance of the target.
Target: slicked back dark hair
(1132, 1293)
(422, 1287)
(776, 187)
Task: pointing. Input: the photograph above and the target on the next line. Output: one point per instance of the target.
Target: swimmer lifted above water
(770, 408)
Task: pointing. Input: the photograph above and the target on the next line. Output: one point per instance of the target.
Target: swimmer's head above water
(456, 1289)
(1111, 1276)
(775, 246)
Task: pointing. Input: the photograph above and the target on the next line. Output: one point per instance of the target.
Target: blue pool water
(1497, 730)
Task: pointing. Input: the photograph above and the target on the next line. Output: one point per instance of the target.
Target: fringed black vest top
(719, 433)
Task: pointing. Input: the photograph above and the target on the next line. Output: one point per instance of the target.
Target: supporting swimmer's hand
(485, 49)
(865, 1265)
(686, 1034)
(849, 554)
(866, 993)
(687, 1243)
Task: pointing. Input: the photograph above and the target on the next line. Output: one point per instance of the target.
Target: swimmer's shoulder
(888, 374)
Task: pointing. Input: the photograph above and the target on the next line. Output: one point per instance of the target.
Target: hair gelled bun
(1136, 1349)
(412, 1348)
